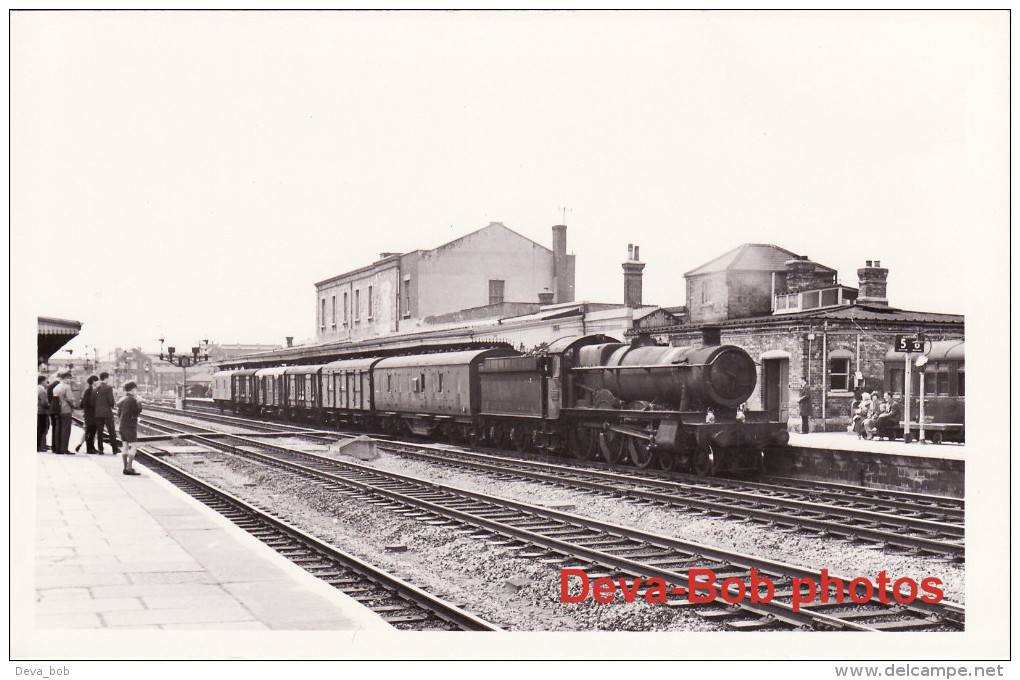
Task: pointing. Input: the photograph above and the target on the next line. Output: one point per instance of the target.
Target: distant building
(492, 268)
(798, 322)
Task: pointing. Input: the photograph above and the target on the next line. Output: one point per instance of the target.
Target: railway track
(399, 603)
(603, 549)
(884, 522)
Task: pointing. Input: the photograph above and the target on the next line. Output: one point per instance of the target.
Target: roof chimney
(545, 297)
(799, 274)
(632, 269)
(563, 266)
(872, 284)
(290, 341)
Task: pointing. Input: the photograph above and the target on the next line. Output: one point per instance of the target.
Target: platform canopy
(54, 334)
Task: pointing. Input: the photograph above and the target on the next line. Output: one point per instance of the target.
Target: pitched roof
(490, 225)
(752, 257)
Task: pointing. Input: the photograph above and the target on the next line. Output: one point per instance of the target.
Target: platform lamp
(198, 355)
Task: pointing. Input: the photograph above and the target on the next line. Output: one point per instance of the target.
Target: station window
(322, 314)
(839, 373)
(370, 303)
(334, 312)
(346, 309)
(357, 305)
(496, 291)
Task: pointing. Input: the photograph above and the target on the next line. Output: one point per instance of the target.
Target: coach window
(929, 384)
(942, 383)
(422, 383)
(389, 382)
(439, 388)
(959, 385)
(839, 370)
(896, 377)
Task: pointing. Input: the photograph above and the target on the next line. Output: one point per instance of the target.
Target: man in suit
(88, 407)
(43, 409)
(103, 403)
(805, 407)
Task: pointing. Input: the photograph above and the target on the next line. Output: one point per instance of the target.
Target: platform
(845, 441)
(114, 551)
(932, 469)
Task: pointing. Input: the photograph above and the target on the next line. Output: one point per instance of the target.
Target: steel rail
(395, 600)
(489, 513)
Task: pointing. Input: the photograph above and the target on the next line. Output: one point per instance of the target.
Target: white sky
(192, 175)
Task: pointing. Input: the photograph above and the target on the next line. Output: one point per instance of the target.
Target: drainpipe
(825, 366)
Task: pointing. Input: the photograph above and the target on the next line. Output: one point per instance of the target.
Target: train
(945, 390)
(590, 396)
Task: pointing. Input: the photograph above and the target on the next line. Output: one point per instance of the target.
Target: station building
(798, 321)
(494, 271)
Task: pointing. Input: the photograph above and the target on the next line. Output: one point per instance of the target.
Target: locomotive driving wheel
(582, 442)
(640, 452)
(704, 461)
(613, 445)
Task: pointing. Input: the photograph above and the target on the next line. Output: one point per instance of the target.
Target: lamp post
(197, 356)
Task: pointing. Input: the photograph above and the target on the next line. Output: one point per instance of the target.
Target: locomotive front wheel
(582, 442)
(613, 446)
(640, 451)
(704, 461)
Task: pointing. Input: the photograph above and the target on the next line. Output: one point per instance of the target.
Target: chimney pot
(636, 251)
(877, 263)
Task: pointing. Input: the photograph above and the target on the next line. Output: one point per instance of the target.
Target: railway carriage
(345, 387)
(944, 391)
(301, 392)
(244, 391)
(431, 394)
(272, 391)
(222, 389)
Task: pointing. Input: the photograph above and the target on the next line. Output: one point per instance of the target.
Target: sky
(192, 175)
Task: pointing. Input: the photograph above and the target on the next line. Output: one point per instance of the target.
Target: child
(129, 410)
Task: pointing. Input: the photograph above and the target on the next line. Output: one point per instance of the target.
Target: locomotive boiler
(683, 407)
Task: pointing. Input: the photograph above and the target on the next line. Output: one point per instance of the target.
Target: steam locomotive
(586, 396)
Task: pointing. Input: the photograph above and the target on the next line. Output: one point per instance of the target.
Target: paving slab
(113, 551)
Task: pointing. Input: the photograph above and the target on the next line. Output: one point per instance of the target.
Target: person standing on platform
(88, 408)
(103, 403)
(805, 407)
(54, 409)
(43, 408)
(62, 393)
(129, 409)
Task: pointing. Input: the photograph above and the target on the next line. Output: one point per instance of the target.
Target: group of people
(873, 414)
(56, 405)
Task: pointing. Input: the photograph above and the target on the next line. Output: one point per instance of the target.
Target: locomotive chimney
(632, 269)
(563, 266)
(799, 274)
(872, 283)
(711, 335)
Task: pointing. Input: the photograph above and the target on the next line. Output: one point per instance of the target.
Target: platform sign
(909, 343)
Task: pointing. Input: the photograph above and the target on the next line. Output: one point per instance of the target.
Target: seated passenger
(875, 409)
(889, 421)
(861, 414)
